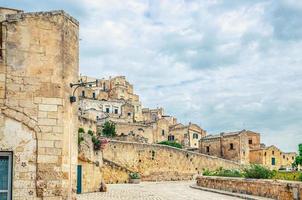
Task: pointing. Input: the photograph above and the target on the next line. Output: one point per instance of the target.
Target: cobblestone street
(154, 191)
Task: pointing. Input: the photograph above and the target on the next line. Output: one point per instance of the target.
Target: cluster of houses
(113, 100)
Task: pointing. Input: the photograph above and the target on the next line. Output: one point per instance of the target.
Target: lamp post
(80, 83)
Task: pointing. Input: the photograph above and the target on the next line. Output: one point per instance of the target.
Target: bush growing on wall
(257, 172)
(223, 172)
(80, 135)
(171, 143)
(90, 132)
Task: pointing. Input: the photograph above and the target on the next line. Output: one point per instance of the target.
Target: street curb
(242, 196)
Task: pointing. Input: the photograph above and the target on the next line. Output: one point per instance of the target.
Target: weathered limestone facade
(113, 100)
(272, 157)
(245, 147)
(232, 146)
(188, 136)
(38, 60)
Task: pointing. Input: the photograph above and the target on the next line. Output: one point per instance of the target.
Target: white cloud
(225, 65)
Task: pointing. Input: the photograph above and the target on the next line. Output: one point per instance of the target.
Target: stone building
(113, 100)
(187, 135)
(245, 147)
(272, 157)
(232, 146)
(39, 58)
(111, 90)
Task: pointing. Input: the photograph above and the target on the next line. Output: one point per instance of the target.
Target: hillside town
(114, 100)
(54, 144)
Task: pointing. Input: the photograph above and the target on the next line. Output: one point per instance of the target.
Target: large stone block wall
(37, 122)
(281, 190)
(91, 162)
(159, 162)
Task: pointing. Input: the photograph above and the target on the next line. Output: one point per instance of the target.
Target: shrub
(90, 132)
(80, 138)
(96, 143)
(171, 143)
(134, 175)
(257, 172)
(291, 176)
(81, 130)
(300, 177)
(223, 172)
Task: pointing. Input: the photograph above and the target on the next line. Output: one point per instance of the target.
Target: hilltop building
(114, 100)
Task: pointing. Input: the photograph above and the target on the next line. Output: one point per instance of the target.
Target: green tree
(298, 160)
(108, 129)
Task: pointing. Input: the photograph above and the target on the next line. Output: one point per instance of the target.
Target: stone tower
(39, 58)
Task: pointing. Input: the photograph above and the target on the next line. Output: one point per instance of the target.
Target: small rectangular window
(107, 110)
(171, 137)
(231, 146)
(250, 141)
(162, 132)
(208, 149)
(83, 93)
(273, 161)
(93, 95)
(115, 111)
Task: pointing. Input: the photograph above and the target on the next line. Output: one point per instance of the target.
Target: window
(293, 158)
(283, 156)
(273, 161)
(250, 141)
(107, 110)
(162, 132)
(93, 95)
(264, 153)
(195, 136)
(83, 93)
(5, 175)
(231, 146)
(129, 114)
(273, 152)
(171, 137)
(208, 149)
(115, 111)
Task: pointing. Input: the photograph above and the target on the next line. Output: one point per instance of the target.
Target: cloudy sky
(226, 65)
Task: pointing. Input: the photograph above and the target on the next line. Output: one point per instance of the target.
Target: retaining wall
(281, 190)
(160, 162)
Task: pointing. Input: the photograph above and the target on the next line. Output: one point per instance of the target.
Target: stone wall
(159, 162)
(114, 173)
(281, 190)
(91, 162)
(37, 122)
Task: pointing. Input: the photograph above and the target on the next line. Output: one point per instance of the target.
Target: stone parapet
(276, 189)
(162, 163)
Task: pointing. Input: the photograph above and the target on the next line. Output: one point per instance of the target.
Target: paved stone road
(154, 191)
